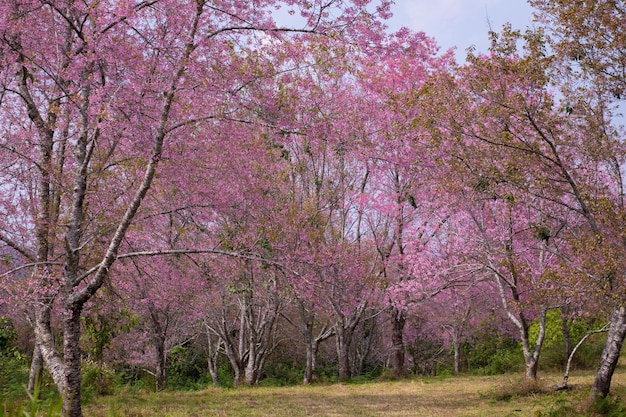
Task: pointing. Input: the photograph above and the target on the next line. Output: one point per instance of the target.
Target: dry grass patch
(454, 397)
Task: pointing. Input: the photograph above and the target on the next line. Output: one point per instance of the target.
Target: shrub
(553, 351)
(186, 369)
(282, 374)
(99, 379)
(489, 353)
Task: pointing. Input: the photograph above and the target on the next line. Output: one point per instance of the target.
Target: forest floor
(503, 395)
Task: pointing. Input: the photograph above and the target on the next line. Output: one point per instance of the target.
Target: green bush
(14, 369)
(282, 374)
(489, 353)
(553, 351)
(98, 379)
(186, 369)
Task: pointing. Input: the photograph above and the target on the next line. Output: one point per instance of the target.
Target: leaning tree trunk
(45, 340)
(36, 368)
(610, 354)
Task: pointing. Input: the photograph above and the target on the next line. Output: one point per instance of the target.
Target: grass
(452, 396)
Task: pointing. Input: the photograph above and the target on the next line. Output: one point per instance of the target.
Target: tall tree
(507, 107)
(400, 210)
(90, 108)
(589, 42)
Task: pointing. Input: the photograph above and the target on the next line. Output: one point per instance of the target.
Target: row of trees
(213, 172)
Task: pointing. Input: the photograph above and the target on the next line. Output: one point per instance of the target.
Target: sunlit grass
(451, 396)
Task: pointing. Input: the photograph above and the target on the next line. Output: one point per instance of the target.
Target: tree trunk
(45, 340)
(531, 369)
(311, 343)
(213, 370)
(72, 359)
(610, 354)
(237, 369)
(251, 371)
(344, 338)
(160, 374)
(398, 320)
(531, 357)
(456, 343)
(36, 368)
(213, 356)
(310, 354)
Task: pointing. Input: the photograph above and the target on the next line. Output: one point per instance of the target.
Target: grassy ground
(452, 396)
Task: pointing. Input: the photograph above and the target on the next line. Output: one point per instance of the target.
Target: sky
(460, 23)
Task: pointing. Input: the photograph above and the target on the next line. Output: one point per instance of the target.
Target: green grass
(503, 395)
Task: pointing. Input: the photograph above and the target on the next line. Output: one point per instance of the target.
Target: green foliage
(8, 335)
(99, 329)
(186, 369)
(489, 353)
(13, 376)
(98, 379)
(13, 364)
(282, 374)
(38, 403)
(608, 406)
(225, 375)
(553, 352)
(135, 380)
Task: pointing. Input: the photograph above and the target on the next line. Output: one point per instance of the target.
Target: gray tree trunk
(457, 354)
(36, 368)
(344, 339)
(610, 354)
(72, 358)
(398, 320)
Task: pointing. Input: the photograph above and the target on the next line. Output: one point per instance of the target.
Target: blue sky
(460, 23)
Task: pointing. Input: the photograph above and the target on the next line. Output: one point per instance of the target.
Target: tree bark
(160, 374)
(344, 340)
(36, 368)
(45, 340)
(310, 354)
(531, 357)
(398, 320)
(72, 360)
(213, 356)
(456, 343)
(158, 340)
(610, 354)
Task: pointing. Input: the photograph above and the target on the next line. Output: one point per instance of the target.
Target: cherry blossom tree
(400, 210)
(506, 106)
(90, 108)
(589, 40)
